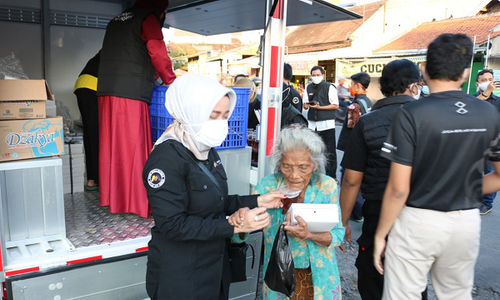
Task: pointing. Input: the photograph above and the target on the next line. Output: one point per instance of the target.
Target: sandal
(91, 188)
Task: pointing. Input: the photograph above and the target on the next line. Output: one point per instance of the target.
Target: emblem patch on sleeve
(156, 178)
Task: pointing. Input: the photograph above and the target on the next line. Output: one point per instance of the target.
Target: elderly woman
(299, 163)
(187, 190)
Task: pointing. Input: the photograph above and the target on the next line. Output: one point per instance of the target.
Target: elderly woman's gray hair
(297, 137)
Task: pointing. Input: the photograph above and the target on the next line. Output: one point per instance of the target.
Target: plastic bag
(280, 274)
(10, 68)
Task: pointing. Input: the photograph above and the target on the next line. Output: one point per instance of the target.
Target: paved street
(487, 272)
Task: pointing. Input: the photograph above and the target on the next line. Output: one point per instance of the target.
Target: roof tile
(425, 33)
(326, 36)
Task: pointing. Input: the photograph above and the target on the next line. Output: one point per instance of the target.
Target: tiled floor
(89, 224)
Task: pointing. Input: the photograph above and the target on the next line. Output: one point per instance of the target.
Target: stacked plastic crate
(238, 122)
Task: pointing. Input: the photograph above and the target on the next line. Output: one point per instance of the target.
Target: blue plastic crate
(238, 122)
(160, 118)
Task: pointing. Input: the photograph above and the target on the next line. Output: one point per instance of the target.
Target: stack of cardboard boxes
(25, 130)
(74, 173)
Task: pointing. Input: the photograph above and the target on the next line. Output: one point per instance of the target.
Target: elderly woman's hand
(237, 218)
(254, 219)
(299, 230)
(271, 200)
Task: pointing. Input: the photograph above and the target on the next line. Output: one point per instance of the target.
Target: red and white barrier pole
(272, 81)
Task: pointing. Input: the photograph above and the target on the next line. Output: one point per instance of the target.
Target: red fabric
(153, 37)
(151, 29)
(124, 145)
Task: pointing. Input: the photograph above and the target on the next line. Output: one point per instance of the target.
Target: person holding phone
(320, 102)
(485, 86)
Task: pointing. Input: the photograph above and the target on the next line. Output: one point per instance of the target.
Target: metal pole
(46, 62)
(471, 63)
(272, 81)
(487, 53)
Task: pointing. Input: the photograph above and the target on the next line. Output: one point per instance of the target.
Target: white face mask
(417, 96)
(483, 86)
(317, 79)
(212, 133)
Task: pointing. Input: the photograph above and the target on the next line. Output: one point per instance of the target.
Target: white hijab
(190, 100)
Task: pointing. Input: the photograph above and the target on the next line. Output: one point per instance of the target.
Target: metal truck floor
(89, 224)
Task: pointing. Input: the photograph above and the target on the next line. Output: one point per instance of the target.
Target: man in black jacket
(365, 168)
(296, 97)
(485, 87)
(289, 114)
(360, 105)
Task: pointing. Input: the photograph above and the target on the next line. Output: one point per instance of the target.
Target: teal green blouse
(322, 260)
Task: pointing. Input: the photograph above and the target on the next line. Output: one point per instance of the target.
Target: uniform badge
(217, 163)
(156, 178)
(295, 100)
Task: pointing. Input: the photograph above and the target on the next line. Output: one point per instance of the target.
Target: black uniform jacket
(187, 256)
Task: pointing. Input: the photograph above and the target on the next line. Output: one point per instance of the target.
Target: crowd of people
(420, 208)
(403, 173)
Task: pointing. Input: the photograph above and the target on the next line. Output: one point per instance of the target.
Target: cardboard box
(23, 99)
(21, 139)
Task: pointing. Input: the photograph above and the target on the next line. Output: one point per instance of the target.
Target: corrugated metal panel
(211, 17)
(20, 15)
(79, 20)
(56, 17)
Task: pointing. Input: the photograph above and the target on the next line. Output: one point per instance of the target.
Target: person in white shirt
(320, 102)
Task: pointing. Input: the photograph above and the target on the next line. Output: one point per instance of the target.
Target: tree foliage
(180, 50)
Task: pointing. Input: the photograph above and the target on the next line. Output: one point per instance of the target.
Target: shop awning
(209, 17)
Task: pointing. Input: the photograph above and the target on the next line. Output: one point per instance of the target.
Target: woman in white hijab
(187, 190)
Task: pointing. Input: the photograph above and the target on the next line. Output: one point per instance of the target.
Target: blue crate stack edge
(238, 122)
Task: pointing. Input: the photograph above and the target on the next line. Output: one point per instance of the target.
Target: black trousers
(370, 282)
(87, 103)
(329, 138)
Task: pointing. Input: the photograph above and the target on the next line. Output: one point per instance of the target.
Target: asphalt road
(487, 270)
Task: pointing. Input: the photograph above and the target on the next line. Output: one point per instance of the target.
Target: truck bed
(92, 233)
(89, 224)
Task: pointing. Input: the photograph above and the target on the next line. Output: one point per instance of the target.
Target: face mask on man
(212, 133)
(425, 90)
(317, 79)
(483, 86)
(417, 96)
(352, 91)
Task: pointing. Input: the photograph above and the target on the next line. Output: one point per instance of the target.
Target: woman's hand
(237, 218)
(254, 219)
(299, 230)
(271, 200)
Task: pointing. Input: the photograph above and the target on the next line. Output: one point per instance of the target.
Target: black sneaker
(484, 210)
